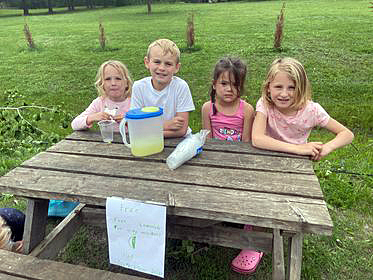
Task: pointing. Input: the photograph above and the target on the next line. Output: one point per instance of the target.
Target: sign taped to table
(136, 234)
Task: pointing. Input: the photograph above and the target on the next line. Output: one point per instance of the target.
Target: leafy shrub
(20, 135)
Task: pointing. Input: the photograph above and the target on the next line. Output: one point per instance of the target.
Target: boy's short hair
(121, 68)
(167, 46)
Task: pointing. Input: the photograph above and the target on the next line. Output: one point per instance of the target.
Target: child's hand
(325, 150)
(98, 117)
(312, 149)
(18, 246)
(176, 123)
(118, 118)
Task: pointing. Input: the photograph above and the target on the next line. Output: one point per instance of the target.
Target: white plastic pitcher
(145, 129)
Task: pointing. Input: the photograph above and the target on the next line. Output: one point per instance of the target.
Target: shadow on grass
(106, 49)
(190, 50)
(157, 13)
(30, 50)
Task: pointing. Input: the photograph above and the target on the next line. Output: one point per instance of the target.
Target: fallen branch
(18, 109)
(26, 106)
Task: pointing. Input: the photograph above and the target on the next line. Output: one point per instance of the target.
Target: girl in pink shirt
(286, 115)
(228, 117)
(114, 86)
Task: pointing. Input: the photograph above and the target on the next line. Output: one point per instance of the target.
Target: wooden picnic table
(227, 182)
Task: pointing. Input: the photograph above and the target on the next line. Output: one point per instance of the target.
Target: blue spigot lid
(145, 112)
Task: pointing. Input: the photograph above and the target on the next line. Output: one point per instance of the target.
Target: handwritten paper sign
(136, 234)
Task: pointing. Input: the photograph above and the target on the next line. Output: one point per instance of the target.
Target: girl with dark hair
(226, 115)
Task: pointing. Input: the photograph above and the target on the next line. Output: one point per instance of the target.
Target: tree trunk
(91, 4)
(25, 8)
(50, 7)
(149, 2)
(70, 5)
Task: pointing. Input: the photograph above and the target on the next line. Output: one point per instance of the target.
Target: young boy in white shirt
(163, 89)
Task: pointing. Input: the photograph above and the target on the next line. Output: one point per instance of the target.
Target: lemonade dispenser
(145, 130)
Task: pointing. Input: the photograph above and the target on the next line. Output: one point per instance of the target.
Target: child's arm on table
(261, 140)
(89, 116)
(343, 137)
(178, 126)
(248, 122)
(206, 122)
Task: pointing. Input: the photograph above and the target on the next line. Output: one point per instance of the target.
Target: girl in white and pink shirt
(285, 114)
(114, 86)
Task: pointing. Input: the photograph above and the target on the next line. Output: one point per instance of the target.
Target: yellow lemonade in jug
(144, 147)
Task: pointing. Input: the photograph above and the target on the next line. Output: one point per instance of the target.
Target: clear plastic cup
(107, 130)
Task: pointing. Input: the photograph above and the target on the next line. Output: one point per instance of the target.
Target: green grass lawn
(333, 39)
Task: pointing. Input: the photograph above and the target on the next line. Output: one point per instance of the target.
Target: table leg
(278, 268)
(36, 222)
(295, 256)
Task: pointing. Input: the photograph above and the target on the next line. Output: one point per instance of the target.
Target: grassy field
(333, 39)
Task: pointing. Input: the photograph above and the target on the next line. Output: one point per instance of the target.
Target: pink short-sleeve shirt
(228, 127)
(293, 129)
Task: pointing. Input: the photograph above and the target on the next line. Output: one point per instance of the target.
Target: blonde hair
(296, 72)
(123, 71)
(5, 236)
(167, 46)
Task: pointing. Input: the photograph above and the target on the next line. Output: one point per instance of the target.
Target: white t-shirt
(174, 98)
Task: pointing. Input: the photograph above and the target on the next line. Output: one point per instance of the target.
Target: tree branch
(18, 109)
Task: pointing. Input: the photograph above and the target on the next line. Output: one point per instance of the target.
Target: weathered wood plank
(223, 236)
(192, 222)
(211, 144)
(4, 275)
(35, 224)
(278, 268)
(280, 183)
(203, 202)
(97, 217)
(295, 256)
(59, 236)
(227, 159)
(28, 267)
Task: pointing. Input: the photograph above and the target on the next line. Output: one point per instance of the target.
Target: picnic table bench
(15, 266)
(227, 182)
